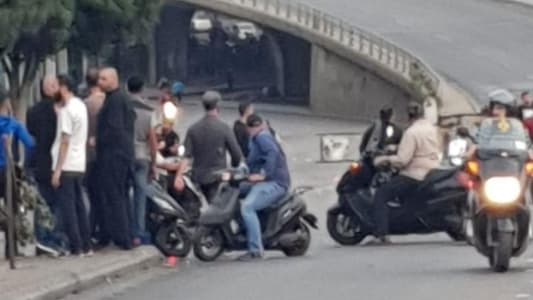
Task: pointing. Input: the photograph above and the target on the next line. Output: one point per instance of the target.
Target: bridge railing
(366, 43)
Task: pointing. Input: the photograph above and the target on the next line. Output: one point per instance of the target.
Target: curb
(79, 281)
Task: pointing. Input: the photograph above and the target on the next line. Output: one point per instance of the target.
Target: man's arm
(63, 149)
(272, 152)
(406, 151)
(233, 148)
(365, 139)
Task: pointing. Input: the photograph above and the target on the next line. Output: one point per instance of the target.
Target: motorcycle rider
(382, 133)
(418, 154)
(502, 130)
(270, 178)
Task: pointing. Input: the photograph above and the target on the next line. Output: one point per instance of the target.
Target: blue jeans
(261, 196)
(140, 185)
(56, 237)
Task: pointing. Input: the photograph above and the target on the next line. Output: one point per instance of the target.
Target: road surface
(413, 268)
(479, 44)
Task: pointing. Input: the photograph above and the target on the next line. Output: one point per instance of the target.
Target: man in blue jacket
(270, 178)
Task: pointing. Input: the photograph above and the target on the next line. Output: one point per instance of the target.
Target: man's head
(254, 124)
(415, 110)
(91, 78)
(501, 101)
(135, 85)
(66, 86)
(386, 113)
(527, 100)
(108, 79)
(246, 109)
(210, 101)
(50, 87)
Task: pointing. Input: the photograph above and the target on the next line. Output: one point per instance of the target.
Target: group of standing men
(91, 140)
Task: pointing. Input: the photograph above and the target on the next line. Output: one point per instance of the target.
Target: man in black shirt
(240, 129)
(41, 121)
(115, 155)
(206, 144)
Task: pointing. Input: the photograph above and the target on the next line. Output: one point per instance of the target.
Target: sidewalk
(47, 278)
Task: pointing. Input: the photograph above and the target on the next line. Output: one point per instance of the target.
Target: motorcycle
(167, 222)
(284, 226)
(499, 181)
(436, 206)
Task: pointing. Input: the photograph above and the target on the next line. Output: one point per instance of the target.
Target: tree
(32, 30)
(102, 22)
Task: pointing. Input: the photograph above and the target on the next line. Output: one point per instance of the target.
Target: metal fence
(363, 42)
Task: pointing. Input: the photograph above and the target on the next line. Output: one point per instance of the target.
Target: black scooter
(167, 222)
(500, 209)
(436, 206)
(284, 226)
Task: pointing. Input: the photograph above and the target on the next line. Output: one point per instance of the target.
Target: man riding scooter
(417, 155)
(270, 182)
(382, 133)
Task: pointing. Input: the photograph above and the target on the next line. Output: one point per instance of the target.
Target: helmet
(415, 110)
(177, 88)
(386, 112)
(502, 97)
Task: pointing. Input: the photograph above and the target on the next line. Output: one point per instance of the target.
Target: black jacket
(41, 121)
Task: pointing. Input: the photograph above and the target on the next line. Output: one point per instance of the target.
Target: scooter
(167, 222)
(436, 206)
(285, 226)
(499, 182)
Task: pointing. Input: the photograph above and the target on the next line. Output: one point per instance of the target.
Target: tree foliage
(35, 29)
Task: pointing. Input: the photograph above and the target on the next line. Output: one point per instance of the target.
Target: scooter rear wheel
(302, 245)
(345, 229)
(209, 244)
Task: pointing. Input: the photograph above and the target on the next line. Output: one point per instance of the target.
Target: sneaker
(250, 256)
(89, 253)
(137, 242)
(46, 250)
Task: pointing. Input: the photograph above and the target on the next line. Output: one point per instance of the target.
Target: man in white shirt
(68, 164)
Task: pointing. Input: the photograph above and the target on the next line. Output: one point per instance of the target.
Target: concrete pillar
(172, 41)
(277, 61)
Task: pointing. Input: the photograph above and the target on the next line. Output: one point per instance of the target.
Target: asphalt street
(414, 267)
(479, 44)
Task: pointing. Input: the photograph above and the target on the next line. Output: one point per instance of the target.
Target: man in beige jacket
(417, 155)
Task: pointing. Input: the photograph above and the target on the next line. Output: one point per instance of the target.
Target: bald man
(115, 155)
(42, 123)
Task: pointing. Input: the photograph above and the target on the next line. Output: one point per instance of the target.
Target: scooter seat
(279, 203)
(435, 176)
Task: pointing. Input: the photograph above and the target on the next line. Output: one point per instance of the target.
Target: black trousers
(399, 186)
(74, 212)
(98, 218)
(114, 176)
(209, 190)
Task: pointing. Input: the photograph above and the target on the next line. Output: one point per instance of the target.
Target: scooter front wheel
(345, 229)
(209, 244)
(173, 239)
(502, 252)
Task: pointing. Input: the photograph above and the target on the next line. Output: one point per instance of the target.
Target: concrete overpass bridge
(352, 72)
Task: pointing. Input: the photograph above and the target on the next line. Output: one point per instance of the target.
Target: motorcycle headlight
(502, 190)
(456, 161)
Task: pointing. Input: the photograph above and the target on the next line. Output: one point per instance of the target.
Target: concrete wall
(342, 88)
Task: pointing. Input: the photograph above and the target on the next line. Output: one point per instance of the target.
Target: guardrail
(363, 42)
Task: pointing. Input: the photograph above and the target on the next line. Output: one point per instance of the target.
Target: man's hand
(92, 142)
(179, 183)
(152, 173)
(256, 178)
(56, 179)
